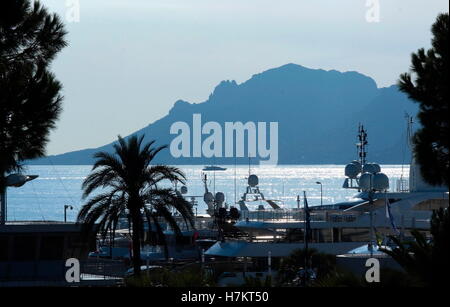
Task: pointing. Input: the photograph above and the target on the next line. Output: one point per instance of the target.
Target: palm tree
(131, 185)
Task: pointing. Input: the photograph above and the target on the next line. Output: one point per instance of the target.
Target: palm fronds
(131, 186)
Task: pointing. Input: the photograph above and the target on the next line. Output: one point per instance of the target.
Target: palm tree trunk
(136, 239)
(161, 238)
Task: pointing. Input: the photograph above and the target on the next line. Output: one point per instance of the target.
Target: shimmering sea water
(58, 185)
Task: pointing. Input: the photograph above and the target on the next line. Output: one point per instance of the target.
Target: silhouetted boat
(213, 168)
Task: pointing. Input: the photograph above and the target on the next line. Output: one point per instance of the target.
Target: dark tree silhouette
(430, 89)
(426, 261)
(30, 99)
(132, 186)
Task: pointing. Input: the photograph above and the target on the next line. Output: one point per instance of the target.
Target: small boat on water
(209, 168)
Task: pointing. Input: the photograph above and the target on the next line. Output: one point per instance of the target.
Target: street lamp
(65, 211)
(12, 180)
(321, 193)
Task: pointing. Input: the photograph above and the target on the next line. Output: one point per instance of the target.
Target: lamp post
(12, 180)
(65, 211)
(321, 193)
(372, 241)
(307, 227)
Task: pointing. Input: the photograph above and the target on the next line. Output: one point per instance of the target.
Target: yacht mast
(362, 151)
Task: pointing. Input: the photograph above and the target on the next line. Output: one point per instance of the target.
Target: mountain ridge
(318, 112)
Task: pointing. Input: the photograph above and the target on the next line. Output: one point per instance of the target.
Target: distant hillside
(318, 113)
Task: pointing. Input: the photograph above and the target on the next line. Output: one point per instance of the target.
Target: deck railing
(286, 215)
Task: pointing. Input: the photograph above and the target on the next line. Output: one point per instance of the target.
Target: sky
(129, 61)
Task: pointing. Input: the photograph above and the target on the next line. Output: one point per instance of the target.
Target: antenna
(362, 138)
(205, 182)
(409, 142)
(409, 131)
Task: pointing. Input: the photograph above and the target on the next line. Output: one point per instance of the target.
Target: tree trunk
(136, 239)
(2, 199)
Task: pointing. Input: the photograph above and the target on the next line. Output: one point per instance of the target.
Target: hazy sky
(130, 60)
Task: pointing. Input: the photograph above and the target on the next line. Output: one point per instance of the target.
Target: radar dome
(220, 197)
(253, 180)
(208, 197)
(371, 168)
(377, 167)
(356, 162)
(380, 182)
(352, 170)
(184, 189)
(365, 181)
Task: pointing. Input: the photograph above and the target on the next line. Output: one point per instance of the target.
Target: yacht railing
(402, 185)
(296, 215)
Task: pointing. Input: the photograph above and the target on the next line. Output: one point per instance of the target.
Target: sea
(44, 198)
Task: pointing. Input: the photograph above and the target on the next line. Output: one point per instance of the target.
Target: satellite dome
(371, 168)
(220, 197)
(352, 170)
(184, 189)
(253, 180)
(208, 197)
(365, 181)
(377, 167)
(356, 162)
(380, 182)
